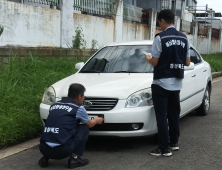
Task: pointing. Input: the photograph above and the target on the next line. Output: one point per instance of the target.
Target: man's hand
(91, 123)
(151, 60)
(99, 120)
(148, 56)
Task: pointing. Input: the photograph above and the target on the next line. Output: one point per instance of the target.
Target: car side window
(194, 57)
(198, 57)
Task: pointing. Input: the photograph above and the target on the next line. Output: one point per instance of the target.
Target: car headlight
(140, 98)
(49, 97)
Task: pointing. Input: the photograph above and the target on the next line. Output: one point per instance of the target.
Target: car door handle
(204, 71)
(193, 75)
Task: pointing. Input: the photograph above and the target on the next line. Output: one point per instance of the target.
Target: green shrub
(78, 40)
(94, 44)
(215, 61)
(22, 84)
(1, 30)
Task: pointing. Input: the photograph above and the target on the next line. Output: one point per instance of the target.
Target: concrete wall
(32, 26)
(202, 45)
(215, 45)
(100, 29)
(190, 39)
(134, 32)
(35, 26)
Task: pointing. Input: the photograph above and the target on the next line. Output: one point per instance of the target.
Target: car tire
(204, 108)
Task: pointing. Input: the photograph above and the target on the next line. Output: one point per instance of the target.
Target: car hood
(107, 85)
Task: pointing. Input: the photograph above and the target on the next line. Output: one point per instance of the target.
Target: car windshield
(119, 59)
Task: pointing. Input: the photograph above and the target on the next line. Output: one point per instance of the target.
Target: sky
(216, 5)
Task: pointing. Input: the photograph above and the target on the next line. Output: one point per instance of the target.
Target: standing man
(63, 136)
(169, 55)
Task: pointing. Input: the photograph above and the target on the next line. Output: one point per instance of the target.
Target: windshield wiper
(120, 72)
(90, 71)
(126, 72)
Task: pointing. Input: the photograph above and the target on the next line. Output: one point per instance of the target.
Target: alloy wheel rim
(206, 100)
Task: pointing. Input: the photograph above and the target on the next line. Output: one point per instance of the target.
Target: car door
(187, 96)
(200, 75)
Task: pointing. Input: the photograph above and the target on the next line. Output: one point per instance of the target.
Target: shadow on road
(116, 144)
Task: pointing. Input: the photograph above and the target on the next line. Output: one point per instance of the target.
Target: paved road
(200, 148)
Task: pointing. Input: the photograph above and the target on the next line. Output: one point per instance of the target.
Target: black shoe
(166, 152)
(174, 147)
(159, 152)
(73, 163)
(43, 162)
(156, 152)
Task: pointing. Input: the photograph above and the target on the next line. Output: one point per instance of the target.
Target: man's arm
(187, 61)
(84, 118)
(155, 52)
(152, 61)
(188, 55)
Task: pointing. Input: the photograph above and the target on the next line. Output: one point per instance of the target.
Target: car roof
(142, 42)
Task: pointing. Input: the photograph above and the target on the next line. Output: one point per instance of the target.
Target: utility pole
(175, 7)
(182, 9)
(205, 14)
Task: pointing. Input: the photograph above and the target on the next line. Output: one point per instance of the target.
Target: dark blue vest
(61, 124)
(173, 57)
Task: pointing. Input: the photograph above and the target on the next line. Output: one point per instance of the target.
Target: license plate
(92, 117)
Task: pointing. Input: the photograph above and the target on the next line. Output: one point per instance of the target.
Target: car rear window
(117, 59)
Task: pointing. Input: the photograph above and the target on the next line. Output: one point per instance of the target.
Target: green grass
(215, 61)
(22, 84)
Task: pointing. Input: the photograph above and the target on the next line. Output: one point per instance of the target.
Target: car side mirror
(78, 66)
(190, 67)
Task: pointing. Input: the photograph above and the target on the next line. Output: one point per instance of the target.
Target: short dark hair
(75, 90)
(167, 15)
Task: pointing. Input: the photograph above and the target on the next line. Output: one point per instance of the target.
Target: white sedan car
(118, 87)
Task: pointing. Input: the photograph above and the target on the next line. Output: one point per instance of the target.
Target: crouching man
(63, 136)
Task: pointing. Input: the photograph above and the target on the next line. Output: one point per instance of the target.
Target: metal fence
(99, 7)
(132, 13)
(46, 2)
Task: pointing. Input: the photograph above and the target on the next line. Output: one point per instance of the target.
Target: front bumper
(120, 115)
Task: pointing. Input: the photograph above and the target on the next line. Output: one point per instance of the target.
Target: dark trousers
(76, 146)
(167, 110)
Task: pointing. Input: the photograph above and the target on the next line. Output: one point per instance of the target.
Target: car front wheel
(204, 108)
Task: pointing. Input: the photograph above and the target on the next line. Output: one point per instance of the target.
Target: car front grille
(99, 104)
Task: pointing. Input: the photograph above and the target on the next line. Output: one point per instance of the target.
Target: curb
(34, 142)
(18, 148)
(216, 74)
